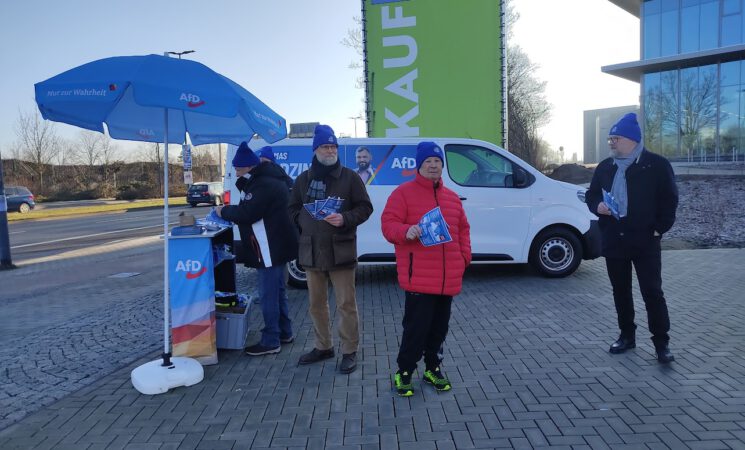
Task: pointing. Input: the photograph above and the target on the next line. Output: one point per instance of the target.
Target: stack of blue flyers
(214, 218)
(322, 208)
(611, 203)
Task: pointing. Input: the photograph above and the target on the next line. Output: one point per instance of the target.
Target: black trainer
(287, 340)
(316, 355)
(258, 350)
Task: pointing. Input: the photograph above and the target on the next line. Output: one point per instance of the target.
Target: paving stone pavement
(527, 357)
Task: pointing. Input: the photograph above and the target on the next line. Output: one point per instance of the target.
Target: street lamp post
(355, 118)
(5, 260)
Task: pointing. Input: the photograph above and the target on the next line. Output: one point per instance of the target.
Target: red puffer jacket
(428, 270)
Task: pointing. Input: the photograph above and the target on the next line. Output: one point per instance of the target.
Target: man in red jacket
(429, 275)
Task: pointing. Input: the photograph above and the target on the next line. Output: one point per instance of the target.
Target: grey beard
(327, 161)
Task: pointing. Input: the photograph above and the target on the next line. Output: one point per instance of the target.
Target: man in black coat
(634, 194)
(269, 238)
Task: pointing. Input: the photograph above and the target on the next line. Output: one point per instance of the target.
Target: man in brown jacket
(328, 248)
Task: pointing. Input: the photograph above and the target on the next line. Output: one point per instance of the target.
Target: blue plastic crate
(232, 328)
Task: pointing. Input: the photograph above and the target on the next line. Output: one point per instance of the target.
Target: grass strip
(96, 209)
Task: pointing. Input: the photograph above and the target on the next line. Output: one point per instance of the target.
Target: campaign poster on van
(434, 68)
(379, 164)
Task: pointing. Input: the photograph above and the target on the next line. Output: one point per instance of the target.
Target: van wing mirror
(520, 177)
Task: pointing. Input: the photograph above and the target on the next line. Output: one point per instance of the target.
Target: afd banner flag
(434, 68)
(192, 286)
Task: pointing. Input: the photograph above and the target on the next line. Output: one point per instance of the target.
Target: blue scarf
(618, 190)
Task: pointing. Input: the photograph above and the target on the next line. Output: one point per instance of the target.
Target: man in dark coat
(328, 247)
(634, 194)
(270, 241)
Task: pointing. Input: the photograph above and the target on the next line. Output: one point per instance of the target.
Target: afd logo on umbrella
(192, 100)
(194, 269)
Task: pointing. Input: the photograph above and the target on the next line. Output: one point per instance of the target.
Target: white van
(517, 214)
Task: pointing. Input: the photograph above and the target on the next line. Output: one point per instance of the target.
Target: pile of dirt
(572, 173)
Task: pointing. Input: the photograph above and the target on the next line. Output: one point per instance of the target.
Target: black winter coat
(269, 237)
(653, 200)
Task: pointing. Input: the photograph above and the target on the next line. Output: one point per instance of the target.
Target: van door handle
(463, 198)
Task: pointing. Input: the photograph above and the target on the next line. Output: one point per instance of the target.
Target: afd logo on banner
(380, 2)
(194, 269)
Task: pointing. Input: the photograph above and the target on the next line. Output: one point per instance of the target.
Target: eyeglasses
(327, 147)
(613, 139)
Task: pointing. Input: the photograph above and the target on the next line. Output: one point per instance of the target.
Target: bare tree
(355, 40)
(38, 143)
(88, 151)
(527, 107)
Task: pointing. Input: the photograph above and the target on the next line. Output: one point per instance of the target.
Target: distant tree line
(91, 166)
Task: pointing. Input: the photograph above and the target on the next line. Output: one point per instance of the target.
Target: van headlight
(581, 195)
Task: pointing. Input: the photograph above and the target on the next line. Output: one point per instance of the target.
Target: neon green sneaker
(437, 379)
(403, 384)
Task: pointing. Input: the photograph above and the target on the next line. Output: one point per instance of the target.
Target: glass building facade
(692, 77)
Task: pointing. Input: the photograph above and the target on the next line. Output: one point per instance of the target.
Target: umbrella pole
(166, 304)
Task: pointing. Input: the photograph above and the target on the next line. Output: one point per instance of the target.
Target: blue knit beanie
(266, 152)
(323, 134)
(424, 150)
(245, 157)
(627, 127)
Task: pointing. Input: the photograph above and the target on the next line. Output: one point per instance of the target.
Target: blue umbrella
(158, 99)
(130, 94)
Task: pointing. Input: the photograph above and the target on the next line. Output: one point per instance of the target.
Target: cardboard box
(232, 327)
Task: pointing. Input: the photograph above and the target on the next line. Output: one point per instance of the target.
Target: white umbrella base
(152, 378)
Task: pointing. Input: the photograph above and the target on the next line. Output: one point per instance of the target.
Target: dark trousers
(649, 273)
(426, 319)
(274, 306)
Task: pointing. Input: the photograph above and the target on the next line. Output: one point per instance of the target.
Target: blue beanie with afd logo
(628, 127)
(323, 134)
(245, 157)
(266, 152)
(426, 149)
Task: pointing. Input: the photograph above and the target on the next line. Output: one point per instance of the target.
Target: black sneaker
(258, 350)
(287, 340)
(316, 355)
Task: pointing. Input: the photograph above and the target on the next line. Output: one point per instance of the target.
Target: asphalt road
(32, 240)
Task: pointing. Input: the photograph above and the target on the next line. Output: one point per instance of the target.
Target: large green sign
(434, 68)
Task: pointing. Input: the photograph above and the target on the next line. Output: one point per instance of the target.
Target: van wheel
(24, 208)
(193, 205)
(296, 275)
(555, 253)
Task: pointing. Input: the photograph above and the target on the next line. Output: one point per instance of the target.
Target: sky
(570, 40)
(289, 53)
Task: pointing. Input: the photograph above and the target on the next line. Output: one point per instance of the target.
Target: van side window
(469, 165)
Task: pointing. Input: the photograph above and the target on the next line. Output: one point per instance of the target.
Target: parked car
(517, 214)
(204, 192)
(19, 199)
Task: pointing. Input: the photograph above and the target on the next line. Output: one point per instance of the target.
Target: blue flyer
(434, 228)
(217, 220)
(322, 208)
(611, 203)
